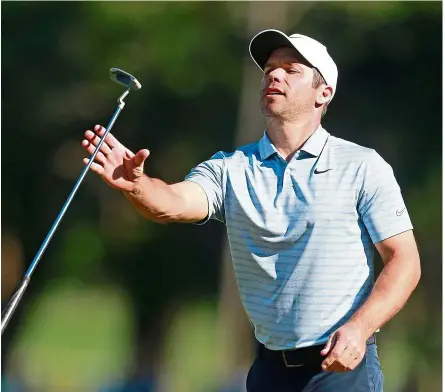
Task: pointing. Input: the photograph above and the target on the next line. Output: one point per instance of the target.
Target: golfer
(304, 211)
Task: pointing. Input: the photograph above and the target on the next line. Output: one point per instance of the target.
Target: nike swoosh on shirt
(316, 171)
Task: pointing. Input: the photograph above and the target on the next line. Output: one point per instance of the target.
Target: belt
(306, 356)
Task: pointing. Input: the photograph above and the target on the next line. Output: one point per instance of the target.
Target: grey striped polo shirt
(301, 234)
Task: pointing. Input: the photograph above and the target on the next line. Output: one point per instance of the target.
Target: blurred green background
(103, 311)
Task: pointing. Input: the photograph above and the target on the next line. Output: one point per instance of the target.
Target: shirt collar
(313, 145)
(316, 141)
(266, 147)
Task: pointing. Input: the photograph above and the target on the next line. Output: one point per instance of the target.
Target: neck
(289, 137)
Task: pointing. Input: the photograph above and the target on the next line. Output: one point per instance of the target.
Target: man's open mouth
(273, 91)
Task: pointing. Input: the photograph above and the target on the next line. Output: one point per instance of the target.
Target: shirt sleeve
(380, 204)
(210, 176)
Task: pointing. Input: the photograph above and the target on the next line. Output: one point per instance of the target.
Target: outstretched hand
(344, 350)
(117, 165)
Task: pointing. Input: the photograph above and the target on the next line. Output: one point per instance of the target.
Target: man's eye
(293, 70)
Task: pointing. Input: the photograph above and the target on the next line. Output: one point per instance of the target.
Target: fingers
(95, 167)
(336, 353)
(327, 348)
(345, 354)
(94, 140)
(109, 143)
(345, 363)
(353, 355)
(110, 139)
(100, 157)
(350, 360)
(140, 157)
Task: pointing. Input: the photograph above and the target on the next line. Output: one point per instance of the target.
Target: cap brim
(264, 43)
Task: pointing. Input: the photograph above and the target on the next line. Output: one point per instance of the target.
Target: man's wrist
(136, 189)
(360, 322)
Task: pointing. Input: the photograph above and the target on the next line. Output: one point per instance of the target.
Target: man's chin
(272, 110)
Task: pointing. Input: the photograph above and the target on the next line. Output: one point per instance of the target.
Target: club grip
(13, 302)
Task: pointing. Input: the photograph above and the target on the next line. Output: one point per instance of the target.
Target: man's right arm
(197, 199)
(183, 202)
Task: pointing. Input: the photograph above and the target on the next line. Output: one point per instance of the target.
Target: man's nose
(276, 75)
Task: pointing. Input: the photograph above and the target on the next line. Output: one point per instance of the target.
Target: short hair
(317, 81)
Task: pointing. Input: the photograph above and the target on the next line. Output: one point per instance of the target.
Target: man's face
(286, 88)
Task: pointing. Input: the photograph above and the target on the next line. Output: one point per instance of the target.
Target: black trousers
(300, 371)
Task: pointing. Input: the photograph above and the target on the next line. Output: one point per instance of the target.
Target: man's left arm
(385, 216)
(393, 287)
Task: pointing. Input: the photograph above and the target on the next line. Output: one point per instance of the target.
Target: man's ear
(324, 95)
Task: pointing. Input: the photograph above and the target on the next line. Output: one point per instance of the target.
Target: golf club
(131, 83)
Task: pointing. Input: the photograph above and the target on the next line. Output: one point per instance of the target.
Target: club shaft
(13, 302)
(15, 299)
(56, 223)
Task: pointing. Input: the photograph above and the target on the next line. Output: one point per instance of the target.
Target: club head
(124, 78)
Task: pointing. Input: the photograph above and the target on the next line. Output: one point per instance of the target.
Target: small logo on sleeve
(400, 212)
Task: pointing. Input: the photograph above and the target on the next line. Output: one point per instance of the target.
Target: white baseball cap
(265, 42)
